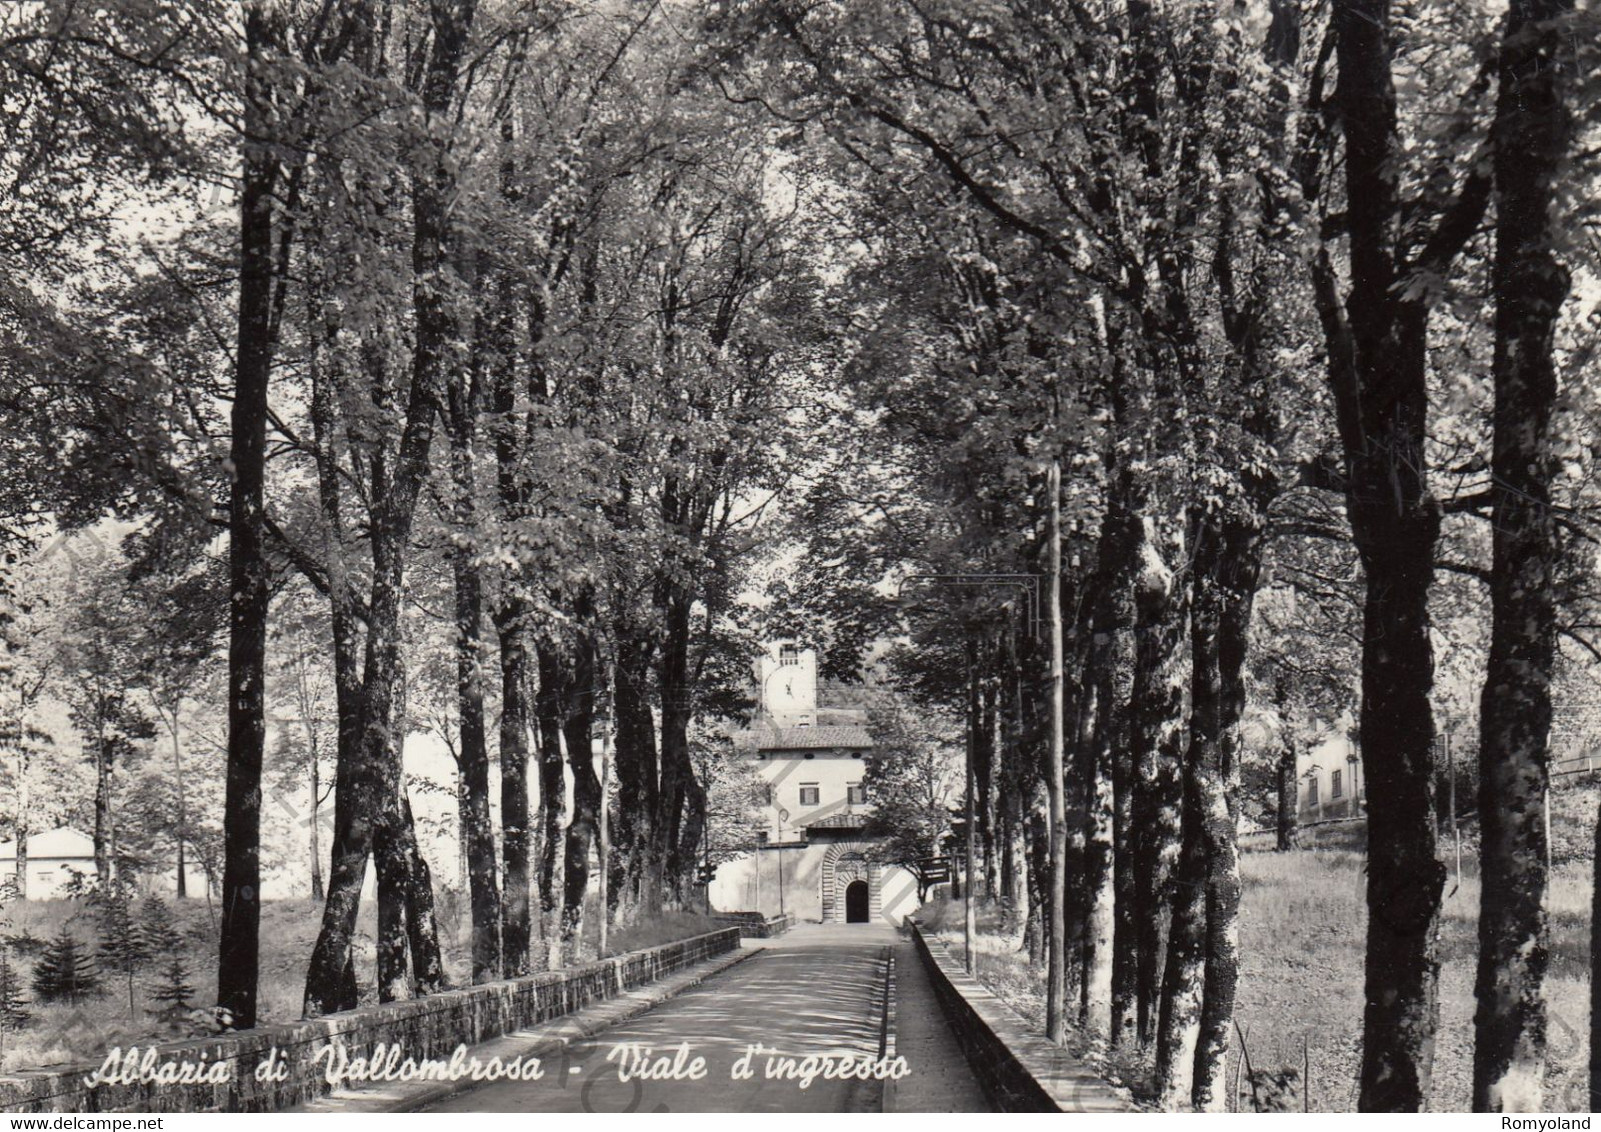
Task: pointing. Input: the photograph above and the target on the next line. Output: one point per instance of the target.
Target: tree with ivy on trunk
(1531, 139)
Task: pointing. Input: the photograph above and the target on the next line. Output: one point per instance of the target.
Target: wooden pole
(1456, 832)
(605, 843)
(1056, 982)
(969, 917)
(1546, 801)
(1306, 1073)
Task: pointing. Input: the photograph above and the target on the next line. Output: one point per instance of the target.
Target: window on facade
(856, 794)
(1311, 791)
(1335, 790)
(789, 654)
(808, 794)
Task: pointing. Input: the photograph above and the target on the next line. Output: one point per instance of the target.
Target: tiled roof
(803, 738)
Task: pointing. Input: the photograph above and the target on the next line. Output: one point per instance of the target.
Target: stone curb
(886, 1051)
(874, 1096)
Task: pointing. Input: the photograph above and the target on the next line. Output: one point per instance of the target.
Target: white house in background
(812, 861)
(52, 859)
(1329, 776)
(55, 855)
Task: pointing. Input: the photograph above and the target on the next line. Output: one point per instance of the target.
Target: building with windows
(55, 856)
(811, 859)
(1329, 775)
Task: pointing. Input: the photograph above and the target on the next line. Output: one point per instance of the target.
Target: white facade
(787, 681)
(1329, 777)
(56, 855)
(53, 858)
(814, 864)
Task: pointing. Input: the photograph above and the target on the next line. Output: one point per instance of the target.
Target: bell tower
(787, 678)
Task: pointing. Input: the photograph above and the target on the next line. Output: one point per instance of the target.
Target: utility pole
(1456, 832)
(970, 916)
(706, 862)
(1028, 585)
(605, 842)
(1056, 984)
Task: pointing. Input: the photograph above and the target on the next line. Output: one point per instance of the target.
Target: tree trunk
(583, 831)
(477, 826)
(1018, 767)
(1037, 860)
(1158, 700)
(552, 796)
(512, 619)
(516, 682)
(437, 346)
(1531, 137)
(1099, 924)
(1289, 818)
(105, 764)
(330, 979)
(21, 819)
(183, 809)
(422, 929)
(681, 802)
(637, 873)
(317, 892)
(1405, 878)
(1124, 1028)
(1055, 871)
(984, 753)
(1179, 1019)
(1235, 568)
(1110, 673)
(238, 953)
(393, 945)
(1595, 982)
(350, 849)
(391, 858)
(1377, 355)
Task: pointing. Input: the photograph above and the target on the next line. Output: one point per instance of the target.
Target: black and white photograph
(799, 556)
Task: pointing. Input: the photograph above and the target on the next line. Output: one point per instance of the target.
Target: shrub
(66, 971)
(123, 945)
(172, 990)
(14, 1013)
(160, 928)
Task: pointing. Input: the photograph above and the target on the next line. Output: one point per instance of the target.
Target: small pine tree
(65, 972)
(14, 1013)
(172, 990)
(122, 940)
(160, 928)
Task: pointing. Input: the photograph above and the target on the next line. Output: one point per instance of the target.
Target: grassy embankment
(1302, 930)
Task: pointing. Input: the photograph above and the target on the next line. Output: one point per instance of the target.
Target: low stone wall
(277, 1066)
(753, 925)
(1019, 1070)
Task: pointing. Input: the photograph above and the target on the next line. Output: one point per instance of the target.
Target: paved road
(816, 990)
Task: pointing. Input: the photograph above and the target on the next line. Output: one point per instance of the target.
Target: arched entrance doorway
(856, 902)
(846, 875)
